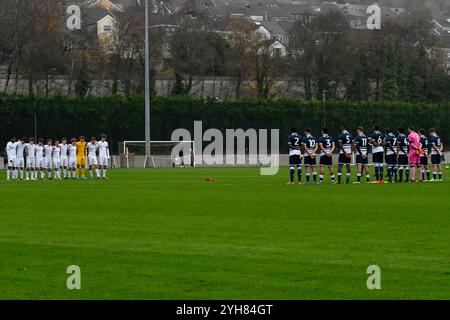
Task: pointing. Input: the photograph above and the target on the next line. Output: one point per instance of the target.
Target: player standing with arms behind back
(402, 154)
(425, 152)
(414, 153)
(345, 154)
(103, 155)
(295, 156)
(378, 153)
(362, 155)
(391, 155)
(310, 146)
(326, 146)
(436, 155)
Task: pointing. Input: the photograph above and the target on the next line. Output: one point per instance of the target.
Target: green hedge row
(122, 118)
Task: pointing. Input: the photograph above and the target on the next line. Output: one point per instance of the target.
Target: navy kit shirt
(346, 139)
(361, 142)
(403, 143)
(294, 143)
(327, 143)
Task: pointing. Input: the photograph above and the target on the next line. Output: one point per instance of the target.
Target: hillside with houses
(229, 48)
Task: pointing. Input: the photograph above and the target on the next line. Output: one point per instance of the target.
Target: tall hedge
(122, 118)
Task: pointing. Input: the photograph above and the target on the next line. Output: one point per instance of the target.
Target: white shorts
(56, 163)
(20, 163)
(31, 162)
(72, 163)
(12, 162)
(92, 161)
(64, 162)
(48, 163)
(103, 161)
(40, 163)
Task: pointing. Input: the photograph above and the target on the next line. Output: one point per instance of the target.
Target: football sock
(413, 174)
(83, 171)
(359, 177)
(308, 176)
(407, 174)
(400, 174)
(21, 173)
(299, 173)
(320, 178)
(348, 177)
(90, 172)
(97, 171)
(339, 177)
(367, 177)
(381, 172)
(377, 172)
(8, 172)
(315, 177)
(332, 178)
(291, 174)
(440, 175)
(104, 173)
(434, 175)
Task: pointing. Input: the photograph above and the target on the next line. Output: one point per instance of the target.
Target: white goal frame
(125, 150)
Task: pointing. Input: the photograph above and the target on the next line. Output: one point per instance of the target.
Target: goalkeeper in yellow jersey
(81, 158)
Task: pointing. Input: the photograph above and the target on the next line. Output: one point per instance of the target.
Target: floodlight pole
(324, 108)
(147, 84)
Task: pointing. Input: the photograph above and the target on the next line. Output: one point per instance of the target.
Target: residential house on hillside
(441, 26)
(101, 22)
(111, 5)
(441, 49)
(271, 30)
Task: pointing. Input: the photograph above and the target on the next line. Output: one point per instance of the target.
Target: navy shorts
(403, 160)
(391, 159)
(361, 160)
(436, 159)
(378, 157)
(423, 160)
(310, 162)
(326, 161)
(295, 159)
(343, 159)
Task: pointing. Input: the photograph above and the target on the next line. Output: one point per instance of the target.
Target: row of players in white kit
(62, 158)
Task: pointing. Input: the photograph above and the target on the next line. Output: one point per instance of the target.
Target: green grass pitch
(169, 234)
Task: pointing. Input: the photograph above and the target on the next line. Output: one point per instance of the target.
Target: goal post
(162, 154)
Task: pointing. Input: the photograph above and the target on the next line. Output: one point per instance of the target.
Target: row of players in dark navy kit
(404, 153)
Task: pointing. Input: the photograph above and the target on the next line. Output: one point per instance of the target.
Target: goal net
(162, 154)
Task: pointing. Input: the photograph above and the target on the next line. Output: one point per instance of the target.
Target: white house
(271, 30)
(274, 48)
